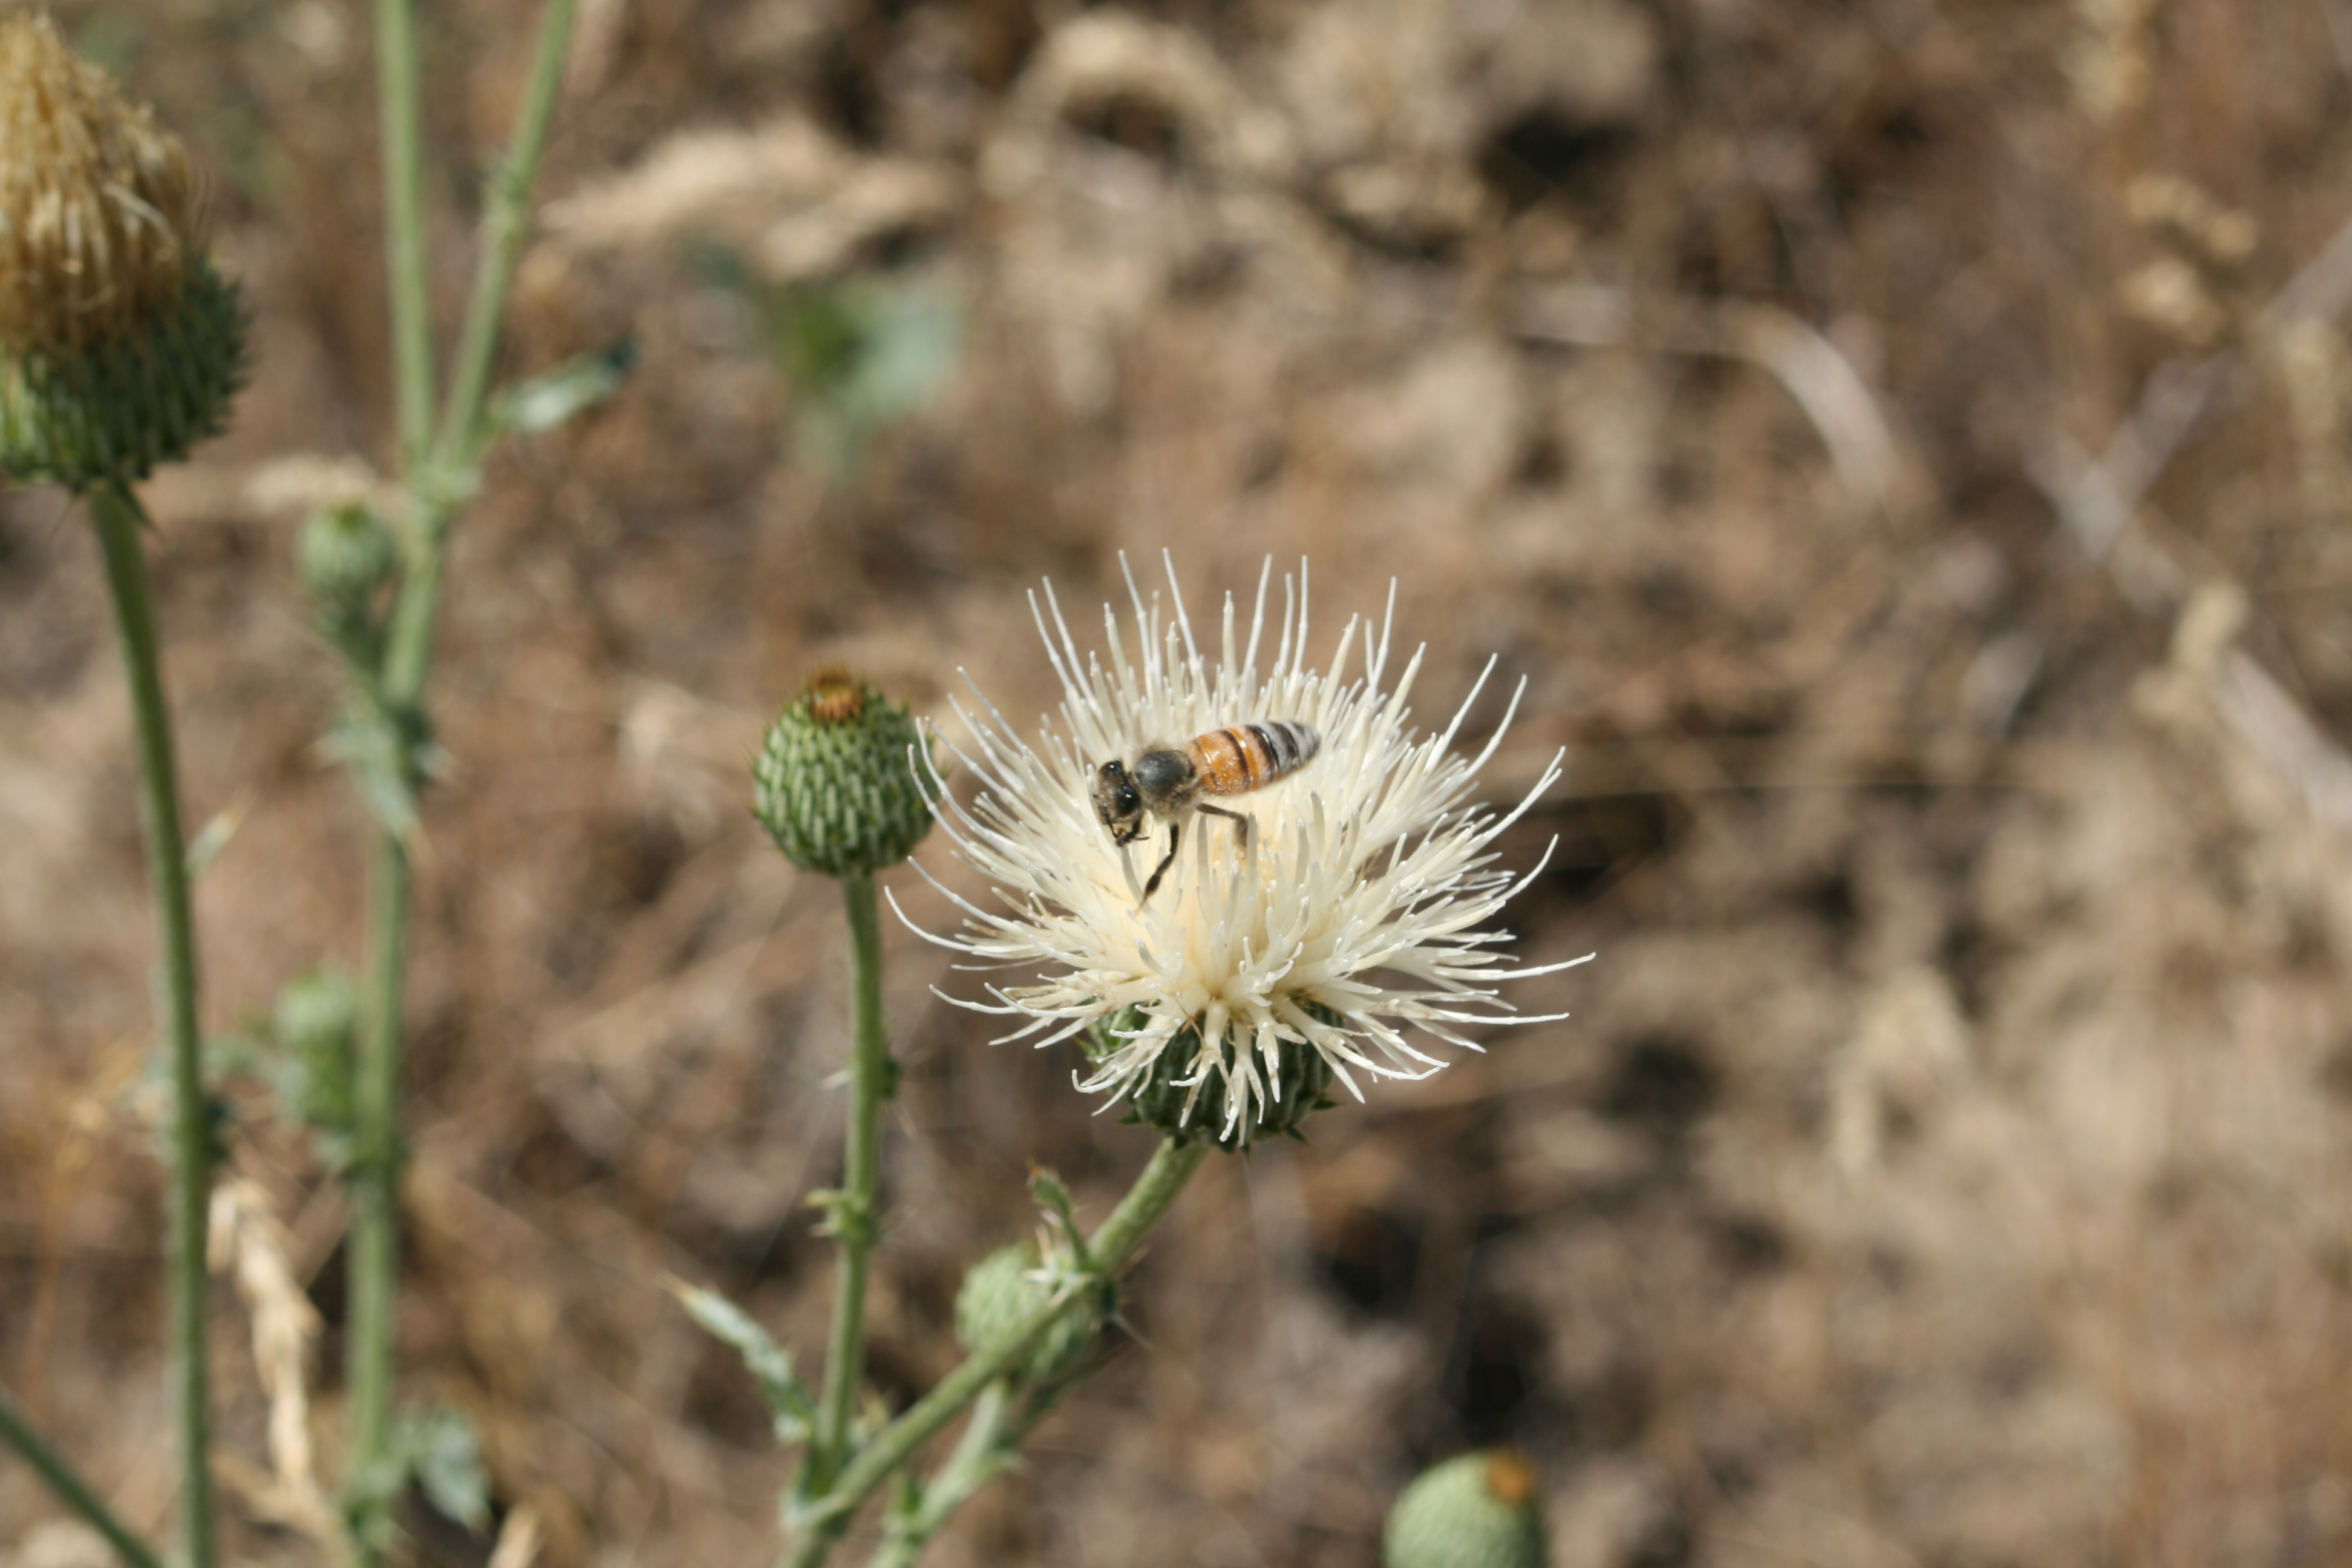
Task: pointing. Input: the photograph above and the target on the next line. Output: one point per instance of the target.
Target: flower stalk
(121, 347)
(986, 1447)
(505, 223)
(853, 1219)
(822, 1519)
(404, 229)
(374, 1180)
(118, 517)
(439, 474)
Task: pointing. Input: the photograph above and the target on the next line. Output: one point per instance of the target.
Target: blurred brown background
(1903, 445)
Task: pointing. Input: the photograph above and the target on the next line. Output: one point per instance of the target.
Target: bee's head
(1119, 802)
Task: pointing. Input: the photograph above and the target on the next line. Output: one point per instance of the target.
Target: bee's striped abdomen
(1243, 757)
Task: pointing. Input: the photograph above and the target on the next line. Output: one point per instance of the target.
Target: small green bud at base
(1477, 1511)
(835, 783)
(998, 1293)
(1172, 1104)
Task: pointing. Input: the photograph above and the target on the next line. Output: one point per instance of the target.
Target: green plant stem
(372, 1267)
(404, 213)
(438, 474)
(505, 223)
(118, 517)
(824, 1517)
(443, 476)
(373, 1250)
(16, 1431)
(416, 611)
(983, 1450)
(855, 1221)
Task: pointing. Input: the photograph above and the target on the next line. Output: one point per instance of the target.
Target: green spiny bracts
(315, 1024)
(1182, 1101)
(114, 411)
(343, 555)
(999, 1293)
(120, 347)
(835, 781)
(1477, 1511)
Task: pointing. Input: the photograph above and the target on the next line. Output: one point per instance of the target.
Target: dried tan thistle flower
(98, 213)
(120, 346)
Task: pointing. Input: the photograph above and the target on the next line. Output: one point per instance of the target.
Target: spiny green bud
(344, 554)
(316, 1021)
(317, 1011)
(120, 347)
(835, 782)
(1172, 1103)
(1476, 1510)
(998, 1293)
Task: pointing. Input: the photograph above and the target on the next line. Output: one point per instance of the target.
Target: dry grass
(1944, 1162)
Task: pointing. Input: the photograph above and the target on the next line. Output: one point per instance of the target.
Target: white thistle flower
(1254, 974)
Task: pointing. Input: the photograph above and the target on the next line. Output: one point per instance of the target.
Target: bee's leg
(1152, 887)
(1241, 823)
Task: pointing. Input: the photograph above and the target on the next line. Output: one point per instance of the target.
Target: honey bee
(1169, 782)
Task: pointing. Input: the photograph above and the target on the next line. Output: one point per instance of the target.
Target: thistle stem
(16, 1431)
(439, 475)
(372, 1264)
(1109, 1248)
(118, 517)
(505, 223)
(980, 1454)
(373, 1250)
(404, 213)
(440, 478)
(854, 1216)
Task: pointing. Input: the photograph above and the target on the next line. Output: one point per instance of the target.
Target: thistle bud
(999, 1293)
(315, 1023)
(342, 556)
(835, 782)
(1477, 1511)
(1185, 1097)
(120, 346)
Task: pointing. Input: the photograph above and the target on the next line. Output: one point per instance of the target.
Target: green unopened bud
(344, 554)
(999, 1293)
(835, 782)
(316, 1022)
(1477, 1510)
(120, 346)
(1182, 1101)
(317, 1011)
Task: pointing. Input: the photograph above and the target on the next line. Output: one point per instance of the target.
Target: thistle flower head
(833, 783)
(120, 346)
(1474, 1511)
(1270, 960)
